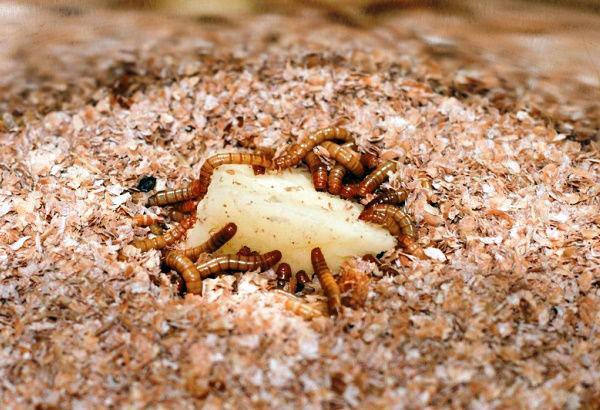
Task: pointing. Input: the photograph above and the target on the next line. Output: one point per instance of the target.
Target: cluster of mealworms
(383, 209)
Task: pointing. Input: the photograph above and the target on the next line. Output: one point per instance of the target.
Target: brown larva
(298, 307)
(334, 181)
(207, 169)
(388, 197)
(376, 178)
(398, 223)
(145, 220)
(187, 206)
(167, 239)
(198, 188)
(296, 152)
(238, 263)
(185, 267)
(349, 191)
(171, 196)
(345, 156)
(393, 218)
(318, 170)
(328, 283)
(369, 161)
(213, 243)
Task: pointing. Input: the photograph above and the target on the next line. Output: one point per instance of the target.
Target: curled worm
(185, 267)
(388, 197)
(345, 156)
(214, 242)
(376, 178)
(296, 152)
(167, 239)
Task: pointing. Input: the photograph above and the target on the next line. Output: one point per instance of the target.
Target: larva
(296, 152)
(298, 307)
(376, 178)
(238, 263)
(176, 216)
(398, 223)
(283, 274)
(393, 218)
(410, 245)
(185, 267)
(345, 156)
(167, 239)
(334, 181)
(261, 160)
(328, 283)
(369, 161)
(388, 197)
(318, 170)
(187, 206)
(156, 229)
(171, 196)
(198, 188)
(214, 242)
(144, 220)
(349, 191)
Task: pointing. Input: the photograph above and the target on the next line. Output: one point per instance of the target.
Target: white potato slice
(283, 211)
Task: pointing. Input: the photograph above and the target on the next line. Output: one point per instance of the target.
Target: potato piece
(283, 211)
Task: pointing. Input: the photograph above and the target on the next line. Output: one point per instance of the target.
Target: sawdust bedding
(504, 312)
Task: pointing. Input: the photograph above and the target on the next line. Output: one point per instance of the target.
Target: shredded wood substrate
(501, 112)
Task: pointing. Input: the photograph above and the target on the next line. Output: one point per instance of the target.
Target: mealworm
(214, 242)
(410, 245)
(177, 216)
(156, 229)
(369, 161)
(349, 191)
(318, 170)
(199, 187)
(345, 156)
(238, 263)
(258, 170)
(328, 283)
(185, 267)
(388, 197)
(187, 206)
(381, 218)
(298, 307)
(296, 152)
(144, 220)
(395, 219)
(284, 274)
(374, 179)
(207, 169)
(336, 176)
(167, 239)
(171, 196)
